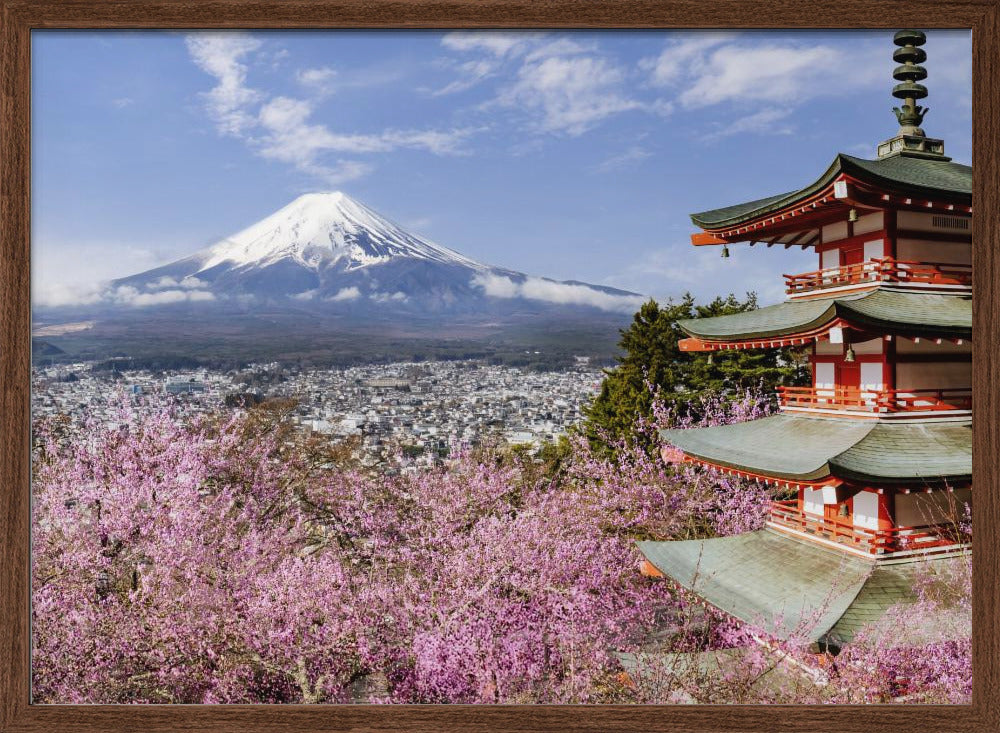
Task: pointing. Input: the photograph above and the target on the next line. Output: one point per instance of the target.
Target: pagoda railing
(925, 538)
(853, 399)
(883, 270)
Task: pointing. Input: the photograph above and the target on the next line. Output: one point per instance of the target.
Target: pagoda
(874, 458)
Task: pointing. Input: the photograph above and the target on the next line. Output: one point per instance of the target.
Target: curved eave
(810, 450)
(787, 587)
(881, 309)
(797, 590)
(782, 447)
(935, 179)
(933, 454)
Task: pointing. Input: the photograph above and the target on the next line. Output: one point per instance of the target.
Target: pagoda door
(847, 380)
(852, 255)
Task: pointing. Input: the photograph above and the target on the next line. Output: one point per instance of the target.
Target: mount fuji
(328, 251)
(329, 280)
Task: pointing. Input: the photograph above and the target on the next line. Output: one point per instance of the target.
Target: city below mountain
(326, 267)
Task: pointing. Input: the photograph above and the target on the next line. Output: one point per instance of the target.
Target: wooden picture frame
(19, 17)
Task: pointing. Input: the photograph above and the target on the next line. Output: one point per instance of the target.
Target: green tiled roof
(799, 448)
(791, 588)
(897, 311)
(788, 587)
(782, 446)
(916, 314)
(909, 453)
(933, 178)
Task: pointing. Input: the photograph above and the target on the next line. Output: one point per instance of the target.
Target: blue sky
(567, 155)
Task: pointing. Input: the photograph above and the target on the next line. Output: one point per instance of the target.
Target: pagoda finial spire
(910, 140)
(911, 56)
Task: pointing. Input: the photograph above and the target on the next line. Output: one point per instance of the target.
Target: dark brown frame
(19, 17)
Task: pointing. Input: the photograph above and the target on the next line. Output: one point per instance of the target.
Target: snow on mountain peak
(319, 229)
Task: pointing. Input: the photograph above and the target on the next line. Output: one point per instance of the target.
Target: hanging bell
(725, 251)
(849, 354)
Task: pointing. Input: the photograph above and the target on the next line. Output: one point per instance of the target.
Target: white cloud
(673, 62)
(768, 81)
(58, 280)
(305, 295)
(538, 288)
(56, 294)
(764, 73)
(627, 159)
(123, 102)
(351, 293)
(496, 43)
(220, 55)
(128, 295)
(291, 138)
(318, 80)
(714, 68)
(190, 283)
(397, 297)
(769, 120)
(281, 128)
(558, 47)
(568, 94)
(555, 84)
(472, 73)
(496, 47)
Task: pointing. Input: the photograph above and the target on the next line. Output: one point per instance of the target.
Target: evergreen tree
(652, 357)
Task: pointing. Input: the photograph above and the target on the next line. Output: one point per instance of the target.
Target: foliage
(681, 379)
(234, 560)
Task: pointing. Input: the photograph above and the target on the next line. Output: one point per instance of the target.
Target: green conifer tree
(652, 357)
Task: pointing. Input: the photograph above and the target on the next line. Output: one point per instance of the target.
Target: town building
(875, 456)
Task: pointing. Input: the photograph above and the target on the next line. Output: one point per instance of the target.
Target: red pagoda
(875, 456)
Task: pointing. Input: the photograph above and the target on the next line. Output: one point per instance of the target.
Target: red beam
(699, 239)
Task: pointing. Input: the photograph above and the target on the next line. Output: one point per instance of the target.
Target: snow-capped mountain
(331, 251)
(319, 230)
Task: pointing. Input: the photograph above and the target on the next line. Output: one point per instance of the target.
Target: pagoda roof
(811, 449)
(940, 179)
(790, 588)
(884, 309)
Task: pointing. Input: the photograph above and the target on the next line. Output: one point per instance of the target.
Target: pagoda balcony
(927, 539)
(896, 402)
(884, 270)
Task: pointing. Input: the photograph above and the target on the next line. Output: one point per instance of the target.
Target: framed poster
(367, 354)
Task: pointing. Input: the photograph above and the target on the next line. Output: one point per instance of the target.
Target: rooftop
(938, 179)
(792, 589)
(808, 449)
(884, 309)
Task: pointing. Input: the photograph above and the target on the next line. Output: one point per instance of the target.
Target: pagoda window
(866, 510)
(936, 507)
(812, 501)
(828, 259)
(871, 346)
(920, 221)
(835, 231)
(871, 376)
(934, 375)
(944, 351)
(872, 222)
(919, 250)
